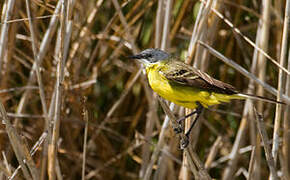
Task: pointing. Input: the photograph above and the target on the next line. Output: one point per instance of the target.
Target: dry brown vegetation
(67, 86)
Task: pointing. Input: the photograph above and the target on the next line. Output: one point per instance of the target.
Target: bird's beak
(137, 56)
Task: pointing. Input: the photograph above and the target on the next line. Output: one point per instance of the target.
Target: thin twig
(165, 44)
(265, 139)
(190, 165)
(37, 67)
(86, 119)
(200, 166)
(6, 169)
(179, 19)
(286, 128)
(278, 114)
(263, 43)
(52, 148)
(32, 152)
(151, 119)
(4, 32)
(26, 19)
(213, 152)
(200, 23)
(251, 163)
(16, 142)
(18, 89)
(158, 24)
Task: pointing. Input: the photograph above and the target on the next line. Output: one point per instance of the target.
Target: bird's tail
(260, 98)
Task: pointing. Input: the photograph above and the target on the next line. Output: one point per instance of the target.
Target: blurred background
(67, 85)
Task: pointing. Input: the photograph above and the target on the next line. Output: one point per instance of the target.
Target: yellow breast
(160, 84)
(180, 95)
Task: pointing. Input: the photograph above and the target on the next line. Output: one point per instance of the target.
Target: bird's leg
(185, 117)
(198, 112)
(178, 129)
(185, 140)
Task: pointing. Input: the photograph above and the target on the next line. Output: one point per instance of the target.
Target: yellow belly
(183, 95)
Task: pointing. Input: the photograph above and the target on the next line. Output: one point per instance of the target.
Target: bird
(187, 86)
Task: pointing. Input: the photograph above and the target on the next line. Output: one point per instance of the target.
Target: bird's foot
(177, 129)
(179, 121)
(184, 142)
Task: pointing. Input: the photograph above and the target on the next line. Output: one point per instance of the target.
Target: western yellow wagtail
(185, 85)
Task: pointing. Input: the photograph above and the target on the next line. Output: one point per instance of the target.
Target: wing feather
(181, 73)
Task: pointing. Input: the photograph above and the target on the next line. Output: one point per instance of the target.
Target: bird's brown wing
(184, 74)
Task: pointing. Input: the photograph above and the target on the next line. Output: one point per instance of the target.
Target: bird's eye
(149, 56)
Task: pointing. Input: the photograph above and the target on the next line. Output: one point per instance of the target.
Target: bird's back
(179, 72)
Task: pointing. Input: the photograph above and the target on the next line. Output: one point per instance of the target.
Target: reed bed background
(74, 107)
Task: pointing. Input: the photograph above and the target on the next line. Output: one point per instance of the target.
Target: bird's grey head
(149, 56)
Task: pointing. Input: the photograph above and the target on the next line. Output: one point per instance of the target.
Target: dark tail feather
(261, 98)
